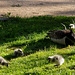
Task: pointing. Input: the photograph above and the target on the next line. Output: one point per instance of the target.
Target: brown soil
(28, 8)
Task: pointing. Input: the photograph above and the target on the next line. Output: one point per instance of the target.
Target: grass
(29, 34)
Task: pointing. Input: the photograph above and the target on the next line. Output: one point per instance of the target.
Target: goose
(18, 52)
(3, 61)
(57, 59)
(64, 37)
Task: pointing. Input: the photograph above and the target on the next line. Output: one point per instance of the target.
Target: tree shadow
(41, 44)
(17, 27)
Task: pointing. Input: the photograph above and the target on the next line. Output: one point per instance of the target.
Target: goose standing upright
(65, 37)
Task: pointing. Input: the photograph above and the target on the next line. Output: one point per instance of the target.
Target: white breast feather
(60, 41)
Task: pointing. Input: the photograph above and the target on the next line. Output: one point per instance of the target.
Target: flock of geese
(65, 37)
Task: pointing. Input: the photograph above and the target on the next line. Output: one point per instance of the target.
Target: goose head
(72, 27)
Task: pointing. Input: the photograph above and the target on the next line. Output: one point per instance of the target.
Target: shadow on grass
(17, 27)
(34, 46)
(41, 44)
(10, 56)
(72, 67)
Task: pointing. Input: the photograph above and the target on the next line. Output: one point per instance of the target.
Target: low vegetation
(29, 34)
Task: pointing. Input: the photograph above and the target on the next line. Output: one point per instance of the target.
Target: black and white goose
(65, 37)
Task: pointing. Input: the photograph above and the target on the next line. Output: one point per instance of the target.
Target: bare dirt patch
(28, 8)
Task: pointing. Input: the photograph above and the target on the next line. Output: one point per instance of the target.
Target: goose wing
(58, 34)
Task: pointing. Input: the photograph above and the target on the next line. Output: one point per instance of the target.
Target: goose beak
(69, 27)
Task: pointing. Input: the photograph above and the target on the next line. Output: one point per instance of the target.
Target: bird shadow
(10, 56)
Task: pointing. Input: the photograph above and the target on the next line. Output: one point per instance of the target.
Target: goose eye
(56, 58)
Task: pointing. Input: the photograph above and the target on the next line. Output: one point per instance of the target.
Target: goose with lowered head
(58, 59)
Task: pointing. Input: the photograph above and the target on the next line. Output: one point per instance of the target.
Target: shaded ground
(30, 8)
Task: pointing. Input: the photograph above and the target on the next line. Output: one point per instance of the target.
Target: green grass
(29, 34)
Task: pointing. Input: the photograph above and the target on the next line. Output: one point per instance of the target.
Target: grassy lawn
(29, 34)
